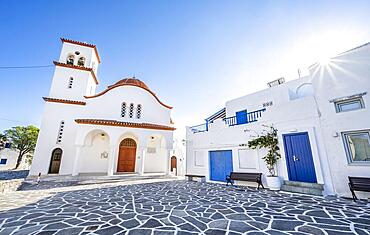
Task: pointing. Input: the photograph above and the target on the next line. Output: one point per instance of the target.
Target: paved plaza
(178, 207)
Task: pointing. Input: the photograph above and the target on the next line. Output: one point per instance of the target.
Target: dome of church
(131, 82)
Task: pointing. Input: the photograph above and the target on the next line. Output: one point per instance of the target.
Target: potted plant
(268, 139)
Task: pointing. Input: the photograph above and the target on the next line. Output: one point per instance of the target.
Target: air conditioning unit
(276, 82)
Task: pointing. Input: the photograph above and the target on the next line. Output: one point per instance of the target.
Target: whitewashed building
(8, 159)
(125, 128)
(323, 123)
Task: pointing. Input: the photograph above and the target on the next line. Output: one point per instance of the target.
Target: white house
(123, 129)
(323, 123)
(8, 159)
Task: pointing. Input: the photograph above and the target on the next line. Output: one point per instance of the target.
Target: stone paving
(180, 207)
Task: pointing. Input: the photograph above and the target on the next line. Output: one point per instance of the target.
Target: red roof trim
(124, 124)
(77, 67)
(136, 85)
(55, 100)
(82, 44)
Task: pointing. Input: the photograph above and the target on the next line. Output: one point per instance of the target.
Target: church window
(60, 132)
(70, 83)
(138, 111)
(123, 109)
(131, 111)
(81, 61)
(70, 59)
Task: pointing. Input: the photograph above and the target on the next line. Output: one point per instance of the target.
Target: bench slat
(358, 184)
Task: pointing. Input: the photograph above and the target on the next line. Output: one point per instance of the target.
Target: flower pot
(273, 182)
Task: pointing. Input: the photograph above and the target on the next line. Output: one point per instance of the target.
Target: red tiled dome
(131, 81)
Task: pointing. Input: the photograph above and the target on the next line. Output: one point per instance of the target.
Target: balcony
(241, 118)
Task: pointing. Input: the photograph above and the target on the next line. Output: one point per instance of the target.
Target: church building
(125, 128)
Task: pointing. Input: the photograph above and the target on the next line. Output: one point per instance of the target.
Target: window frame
(138, 111)
(60, 132)
(123, 109)
(70, 83)
(340, 103)
(345, 139)
(131, 111)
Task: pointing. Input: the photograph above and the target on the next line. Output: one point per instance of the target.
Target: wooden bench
(251, 177)
(358, 184)
(190, 177)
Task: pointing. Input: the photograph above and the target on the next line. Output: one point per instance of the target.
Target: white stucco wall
(347, 75)
(151, 110)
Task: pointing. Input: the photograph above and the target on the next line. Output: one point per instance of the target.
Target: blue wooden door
(299, 157)
(221, 164)
(241, 117)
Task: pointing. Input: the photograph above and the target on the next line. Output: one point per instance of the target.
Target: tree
(22, 138)
(3, 140)
(269, 141)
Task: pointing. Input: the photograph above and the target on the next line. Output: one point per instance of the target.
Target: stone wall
(10, 185)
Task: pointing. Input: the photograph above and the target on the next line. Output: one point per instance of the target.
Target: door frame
(287, 161)
(119, 153)
(51, 160)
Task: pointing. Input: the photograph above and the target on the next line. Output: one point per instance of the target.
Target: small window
(349, 105)
(81, 61)
(3, 161)
(138, 111)
(131, 111)
(60, 132)
(357, 145)
(123, 109)
(70, 82)
(70, 59)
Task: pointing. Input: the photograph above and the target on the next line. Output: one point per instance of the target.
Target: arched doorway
(174, 164)
(127, 156)
(56, 158)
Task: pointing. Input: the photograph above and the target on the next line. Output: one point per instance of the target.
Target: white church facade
(323, 123)
(125, 128)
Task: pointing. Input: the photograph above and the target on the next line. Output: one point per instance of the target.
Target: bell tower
(75, 71)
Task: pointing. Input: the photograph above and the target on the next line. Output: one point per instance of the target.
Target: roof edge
(103, 122)
(82, 44)
(119, 85)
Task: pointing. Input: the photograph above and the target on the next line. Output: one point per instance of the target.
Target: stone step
(304, 184)
(303, 190)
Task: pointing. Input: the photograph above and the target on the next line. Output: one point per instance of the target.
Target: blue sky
(195, 55)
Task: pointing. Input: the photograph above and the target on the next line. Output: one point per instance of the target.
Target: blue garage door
(221, 164)
(299, 157)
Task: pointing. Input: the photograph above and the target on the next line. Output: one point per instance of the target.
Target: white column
(143, 155)
(168, 162)
(111, 160)
(76, 161)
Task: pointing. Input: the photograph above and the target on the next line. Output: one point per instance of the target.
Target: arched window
(70, 59)
(138, 111)
(70, 83)
(81, 61)
(123, 109)
(131, 111)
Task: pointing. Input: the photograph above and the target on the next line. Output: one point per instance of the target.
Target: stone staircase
(302, 187)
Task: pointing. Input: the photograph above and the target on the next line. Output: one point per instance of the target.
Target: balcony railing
(232, 121)
(200, 128)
